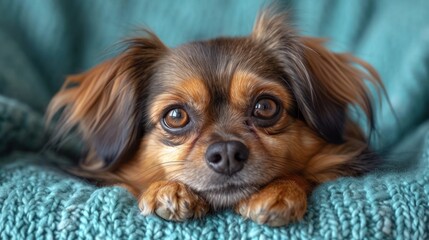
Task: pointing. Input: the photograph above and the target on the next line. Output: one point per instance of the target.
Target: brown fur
(119, 106)
(278, 203)
(106, 97)
(172, 201)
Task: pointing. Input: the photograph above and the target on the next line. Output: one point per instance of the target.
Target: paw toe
(172, 201)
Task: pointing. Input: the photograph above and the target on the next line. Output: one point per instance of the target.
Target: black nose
(227, 157)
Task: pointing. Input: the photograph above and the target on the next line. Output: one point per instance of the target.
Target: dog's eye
(176, 118)
(265, 108)
(266, 112)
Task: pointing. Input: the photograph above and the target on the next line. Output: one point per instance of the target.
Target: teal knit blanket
(43, 41)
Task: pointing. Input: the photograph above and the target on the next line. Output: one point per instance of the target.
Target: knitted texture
(41, 43)
(39, 201)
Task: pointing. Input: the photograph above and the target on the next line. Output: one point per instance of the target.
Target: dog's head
(224, 116)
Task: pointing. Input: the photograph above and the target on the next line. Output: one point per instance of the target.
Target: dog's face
(220, 119)
(225, 116)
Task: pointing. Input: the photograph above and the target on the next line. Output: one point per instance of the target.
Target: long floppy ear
(324, 83)
(106, 103)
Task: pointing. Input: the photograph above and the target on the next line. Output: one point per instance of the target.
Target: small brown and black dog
(251, 123)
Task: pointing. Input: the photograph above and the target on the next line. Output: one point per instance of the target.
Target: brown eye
(176, 118)
(265, 109)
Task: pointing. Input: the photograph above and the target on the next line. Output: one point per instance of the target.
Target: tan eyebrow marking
(191, 91)
(246, 85)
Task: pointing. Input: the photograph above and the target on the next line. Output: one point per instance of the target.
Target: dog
(250, 123)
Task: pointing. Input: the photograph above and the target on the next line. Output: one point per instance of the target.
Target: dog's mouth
(228, 195)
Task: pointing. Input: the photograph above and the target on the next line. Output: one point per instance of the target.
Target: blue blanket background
(43, 41)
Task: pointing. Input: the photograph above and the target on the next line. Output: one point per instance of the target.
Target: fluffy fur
(120, 107)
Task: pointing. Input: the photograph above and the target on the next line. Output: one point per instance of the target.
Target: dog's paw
(277, 204)
(172, 201)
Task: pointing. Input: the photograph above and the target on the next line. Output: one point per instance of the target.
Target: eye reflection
(176, 118)
(265, 108)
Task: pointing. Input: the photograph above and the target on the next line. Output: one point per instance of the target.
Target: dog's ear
(324, 84)
(106, 103)
(338, 82)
